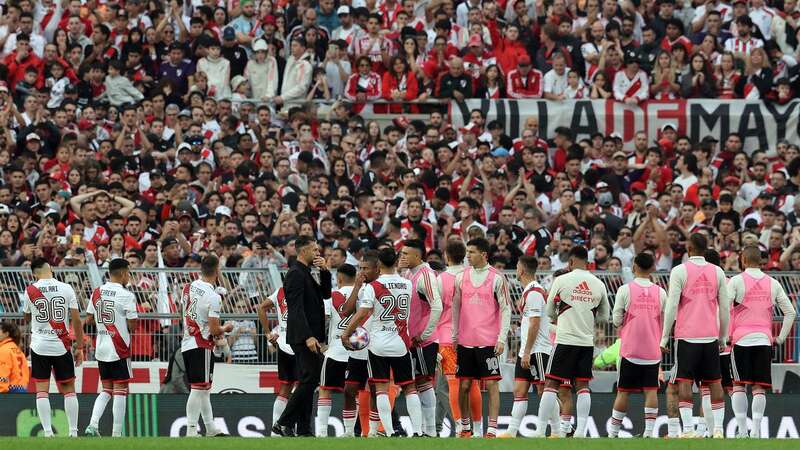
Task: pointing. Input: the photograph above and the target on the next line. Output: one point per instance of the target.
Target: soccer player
(113, 308)
(201, 304)
(426, 309)
(334, 365)
(535, 345)
(287, 370)
(754, 295)
(577, 300)
(387, 301)
(699, 297)
(50, 306)
(638, 316)
(481, 319)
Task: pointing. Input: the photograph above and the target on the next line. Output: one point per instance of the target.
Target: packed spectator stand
(162, 131)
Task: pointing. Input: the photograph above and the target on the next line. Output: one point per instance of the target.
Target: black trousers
(300, 408)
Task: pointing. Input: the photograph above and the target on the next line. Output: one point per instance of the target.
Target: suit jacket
(304, 301)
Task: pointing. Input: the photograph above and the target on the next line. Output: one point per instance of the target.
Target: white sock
(349, 420)
(491, 428)
(71, 408)
(582, 407)
(414, 407)
(118, 409)
(323, 413)
(708, 412)
(517, 413)
(277, 408)
(45, 414)
(759, 406)
(547, 405)
(673, 427)
(719, 417)
(207, 413)
(477, 426)
(385, 411)
(427, 397)
(193, 406)
(650, 415)
(566, 424)
(99, 408)
(702, 425)
(687, 417)
(374, 421)
(616, 422)
(739, 405)
(466, 425)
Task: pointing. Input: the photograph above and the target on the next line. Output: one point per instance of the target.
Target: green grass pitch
(398, 443)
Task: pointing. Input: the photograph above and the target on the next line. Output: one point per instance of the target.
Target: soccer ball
(359, 339)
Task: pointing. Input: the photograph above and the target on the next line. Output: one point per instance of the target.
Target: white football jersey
(279, 300)
(112, 306)
(200, 301)
(534, 297)
(339, 323)
(48, 302)
(389, 297)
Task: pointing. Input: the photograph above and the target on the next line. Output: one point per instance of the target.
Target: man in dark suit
(305, 333)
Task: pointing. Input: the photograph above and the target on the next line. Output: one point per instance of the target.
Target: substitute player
(638, 309)
(754, 295)
(113, 308)
(50, 306)
(577, 301)
(426, 309)
(699, 297)
(287, 369)
(535, 345)
(201, 325)
(387, 301)
(481, 319)
(334, 364)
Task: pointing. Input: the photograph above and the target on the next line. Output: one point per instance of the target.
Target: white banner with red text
(761, 124)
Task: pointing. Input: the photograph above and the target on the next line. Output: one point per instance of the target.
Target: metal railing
(158, 333)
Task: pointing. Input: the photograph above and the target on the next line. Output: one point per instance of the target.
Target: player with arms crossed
(754, 296)
(287, 369)
(426, 309)
(334, 365)
(113, 309)
(577, 301)
(49, 306)
(201, 325)
(535, 345)
(698, 296)
(481, 319)
(387, 301)
(638, 315)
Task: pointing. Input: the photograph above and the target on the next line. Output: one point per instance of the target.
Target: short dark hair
(698, 242)
(370, 257)
(347, 270)
(209, 265)
(455, 251)
(303, 241)
(387, 256)
(529, 264)
(416, 244)
(38, 264)
(12, 330)
(644, 261)
(714, 258)
(579, 252)
(481, 244)
(117, 266)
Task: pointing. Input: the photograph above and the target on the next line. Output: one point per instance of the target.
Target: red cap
(731, 180)
(475, 41)
(524, 60)
(269, 19)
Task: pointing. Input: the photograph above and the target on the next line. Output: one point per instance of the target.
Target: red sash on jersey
(59, 327)
(119, 343)
(401, 323)
(634, 87)
(191, 326)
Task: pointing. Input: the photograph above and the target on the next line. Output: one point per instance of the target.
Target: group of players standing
(461, 317)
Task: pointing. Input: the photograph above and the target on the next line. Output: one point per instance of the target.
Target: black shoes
(283, 431)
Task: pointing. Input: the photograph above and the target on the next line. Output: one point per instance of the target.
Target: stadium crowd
(188, 128)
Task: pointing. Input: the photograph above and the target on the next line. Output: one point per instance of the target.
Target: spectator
(399, 84)
(699, 82)
(296, 75)
(756, 81)
(217, 70)
(525, 81)
(631, 85)
(555, 81)
(364, 85)
(455, 83)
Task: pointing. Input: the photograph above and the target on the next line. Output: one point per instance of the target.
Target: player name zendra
(108, 292)
(394, 285)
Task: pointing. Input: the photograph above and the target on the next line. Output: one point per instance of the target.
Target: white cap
(669, 125)
(32, 137)
(260, 46)
(344, 9)
(223, 210)
(184, 145)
